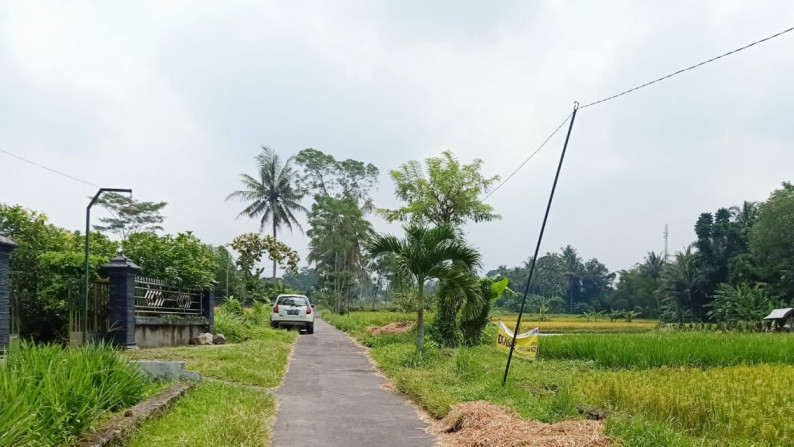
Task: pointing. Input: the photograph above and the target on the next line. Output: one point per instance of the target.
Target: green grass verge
(212, 414)
(216, 413)
(260, 362)
(651, 406)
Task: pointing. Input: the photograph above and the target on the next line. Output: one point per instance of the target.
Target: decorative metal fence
(154, 298)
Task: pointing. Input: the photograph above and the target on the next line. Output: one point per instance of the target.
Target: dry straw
(483, 424)
(399, 327)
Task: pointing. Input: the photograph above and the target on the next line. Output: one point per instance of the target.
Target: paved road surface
(331, 397)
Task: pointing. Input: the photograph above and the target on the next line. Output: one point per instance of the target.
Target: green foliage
(772, 240)
(239, 324)
(630, 315)
(251, 247)
(180, 260)
(474, 322)
(337, 179)
(47, 269)
(435, 253)
(447, 192)
(584, 284)
(51, 395)
(232, 306)
(337, 235)
(743, 302)
(129, 216)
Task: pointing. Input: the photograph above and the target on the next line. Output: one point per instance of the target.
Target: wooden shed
(783, 318)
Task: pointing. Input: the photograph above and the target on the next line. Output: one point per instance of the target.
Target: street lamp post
(87, 244)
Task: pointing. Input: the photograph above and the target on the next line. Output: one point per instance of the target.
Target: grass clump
(698, 349)
(213, 414)
(50, 395)
(238, 323)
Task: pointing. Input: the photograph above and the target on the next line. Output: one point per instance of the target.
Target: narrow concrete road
(331, 397)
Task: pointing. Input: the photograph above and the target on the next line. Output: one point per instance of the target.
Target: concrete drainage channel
(116, 428)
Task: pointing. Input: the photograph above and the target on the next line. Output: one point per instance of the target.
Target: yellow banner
(526, 343)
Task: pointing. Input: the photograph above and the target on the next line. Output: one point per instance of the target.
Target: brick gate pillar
(6, 247)
(121, 303)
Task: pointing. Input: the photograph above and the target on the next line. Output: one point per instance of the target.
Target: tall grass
(238, 324)
(675, 349)
(50, 395)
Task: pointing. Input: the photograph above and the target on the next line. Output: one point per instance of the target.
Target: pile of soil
(483, 424)
(399, 327)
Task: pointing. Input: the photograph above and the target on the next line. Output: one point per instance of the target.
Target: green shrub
(50, 395)
(231, 326)
(232, 306)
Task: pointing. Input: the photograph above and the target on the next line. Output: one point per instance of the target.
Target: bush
(50, 395)
(231, 326)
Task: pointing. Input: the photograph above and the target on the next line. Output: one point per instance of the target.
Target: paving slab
(332, 396)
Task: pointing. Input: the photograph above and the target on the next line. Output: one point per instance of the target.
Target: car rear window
(293, 301)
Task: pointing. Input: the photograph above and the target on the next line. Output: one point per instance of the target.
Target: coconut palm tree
(746, 215)
(682, 285)
(425, 254)
(573, 271)
(272, 195)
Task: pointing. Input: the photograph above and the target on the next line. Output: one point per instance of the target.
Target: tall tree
(337, 234)
(574, 272)
(324, 175)
(273, 196)
(129, 216)
(425, 254)
(772, 240)
(444, 192)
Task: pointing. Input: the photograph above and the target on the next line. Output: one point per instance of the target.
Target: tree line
(740, 266)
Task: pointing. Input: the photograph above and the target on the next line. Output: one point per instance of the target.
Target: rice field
(571, 324)
(689, 349)
(738, 402)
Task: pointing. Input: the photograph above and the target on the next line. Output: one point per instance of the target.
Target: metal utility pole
(87, 252)
(665, 242)
(537, 247)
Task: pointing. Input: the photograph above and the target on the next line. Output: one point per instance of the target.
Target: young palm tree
(273, 196)
(426, 253)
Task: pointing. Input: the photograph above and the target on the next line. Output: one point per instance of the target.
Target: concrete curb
(119, 426)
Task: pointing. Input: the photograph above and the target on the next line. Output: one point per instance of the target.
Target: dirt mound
(483, 424)
(399, 327)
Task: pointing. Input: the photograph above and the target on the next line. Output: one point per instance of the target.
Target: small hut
(783, 318)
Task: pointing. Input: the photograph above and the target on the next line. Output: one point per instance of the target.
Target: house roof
(779, 313)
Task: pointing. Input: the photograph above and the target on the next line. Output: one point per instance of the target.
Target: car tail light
(275, 309)
(308, 310)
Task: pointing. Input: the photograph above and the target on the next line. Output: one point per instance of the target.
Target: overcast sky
(174, 98)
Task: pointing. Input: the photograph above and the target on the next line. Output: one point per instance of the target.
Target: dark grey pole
(537, 247)
(87, 251)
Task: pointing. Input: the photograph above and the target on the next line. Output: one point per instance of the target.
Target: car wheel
(309, 328)
(274, 325)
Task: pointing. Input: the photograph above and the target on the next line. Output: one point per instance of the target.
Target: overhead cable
(47, 168)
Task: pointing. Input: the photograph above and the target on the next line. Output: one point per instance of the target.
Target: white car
(295, 310)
